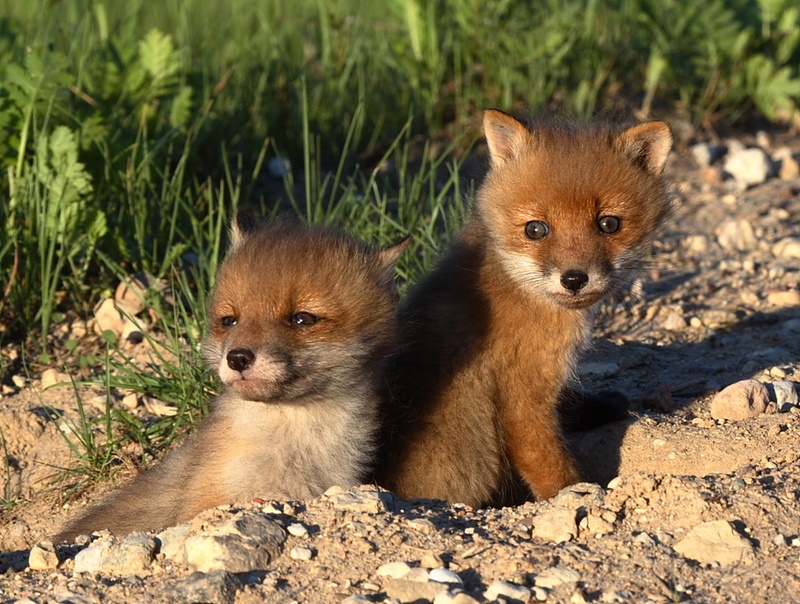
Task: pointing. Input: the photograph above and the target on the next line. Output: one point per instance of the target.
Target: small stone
(696, 243)
(510, 592)
(540, 594)
(131, 555)
(43, 556)
(714, 319)
(748, 167)
(601, 370)
(300, 553)
(785, 394)
(555, 576)
(173, 540)
(741, 400)
(417, 574)
(358, 500)
(780, 540)
(598, 526)
(736, 234)
(557, 526)
(50, 377)
(216, 587)
(19, 381)
(674, 321)
(450, 597)
(413, 591)
(443, 575)
(297, 529)
(107, 317)
(789, 168)
(706, 153)
(431, 561)
(395, 570)
(788, 247)
(130, 401)
(715, 541)
(158, 408)
(784, 299)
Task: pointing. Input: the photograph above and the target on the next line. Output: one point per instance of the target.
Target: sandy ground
(704, 510)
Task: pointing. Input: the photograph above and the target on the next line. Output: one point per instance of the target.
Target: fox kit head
(570, 209)
(299, 312)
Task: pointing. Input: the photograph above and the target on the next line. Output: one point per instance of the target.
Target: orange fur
(491, 337)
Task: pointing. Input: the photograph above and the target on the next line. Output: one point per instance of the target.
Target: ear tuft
(243, 224)
(647, 144)
(389, 255)
(505, 135)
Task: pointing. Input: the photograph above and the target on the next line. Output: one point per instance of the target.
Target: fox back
(491, 338)
(300, 323)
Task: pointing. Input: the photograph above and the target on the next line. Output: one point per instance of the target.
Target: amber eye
(229, 321)
(536, 229)
(609, 224)
(303, 319)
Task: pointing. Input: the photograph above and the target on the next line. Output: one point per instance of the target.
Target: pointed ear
(647, 144)
(388, 256)
(505, 136)
(243, 224)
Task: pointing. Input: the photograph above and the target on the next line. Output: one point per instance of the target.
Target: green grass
(130, 132)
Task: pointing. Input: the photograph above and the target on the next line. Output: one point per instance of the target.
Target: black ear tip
(245, 221)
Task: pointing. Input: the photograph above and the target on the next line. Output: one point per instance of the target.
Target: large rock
(739, 401)
(717, 542)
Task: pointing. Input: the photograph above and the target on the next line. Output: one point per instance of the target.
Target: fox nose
(574, 280)
(240, 359)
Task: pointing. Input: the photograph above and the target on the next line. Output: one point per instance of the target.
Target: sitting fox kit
(299, 325)
(491, 337)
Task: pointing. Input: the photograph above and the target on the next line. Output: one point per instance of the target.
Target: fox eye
(536, 229)
(609, 224)
(303, 319)
(228, 321)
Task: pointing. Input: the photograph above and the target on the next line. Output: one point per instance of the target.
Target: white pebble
(395, 570)
(298, 530)
(301, 553)
(443, 575)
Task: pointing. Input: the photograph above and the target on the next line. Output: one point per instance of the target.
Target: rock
(706, 154)
(431, 560)
(417, 574)
(158, 408)
(716, 542)
(301, 553)
(509, 592)
(785, 394)
(405, 590)
(736, 234)
(581, 495)
(674, 321)
(51, 377)
(173, 541)
(449, 597)
(443, 575)
(43, 556)
(217, 587)
(107, 317)
(556, 526)
(131, 555)
(784, 299)
(714, 319)
(788, 167)
(130, 293)
(130, 401)
(361, 500)
(555, 576)
(600, 370)
(394, 570)
(748, 167)
(739, 401)
(788, 247)
(296, 529)
(243, 543)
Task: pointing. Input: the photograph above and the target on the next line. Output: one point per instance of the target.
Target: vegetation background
(130, 132)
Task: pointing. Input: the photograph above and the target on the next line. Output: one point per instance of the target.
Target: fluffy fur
(299, 327)
(491, 337)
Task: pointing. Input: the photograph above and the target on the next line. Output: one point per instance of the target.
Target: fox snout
(240, 359)
(574, 280)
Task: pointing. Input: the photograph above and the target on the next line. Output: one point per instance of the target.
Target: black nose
(574, 280)
(240, 359)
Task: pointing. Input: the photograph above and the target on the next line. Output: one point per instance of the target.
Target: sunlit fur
(303, 416)
(492, 336)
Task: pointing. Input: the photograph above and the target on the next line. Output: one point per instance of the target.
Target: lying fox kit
(492, 336)
(299, 326)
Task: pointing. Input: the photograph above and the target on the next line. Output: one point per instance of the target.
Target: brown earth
(709, 313)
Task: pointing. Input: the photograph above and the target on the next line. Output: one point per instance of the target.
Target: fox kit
(491, 337)
(299, 326)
